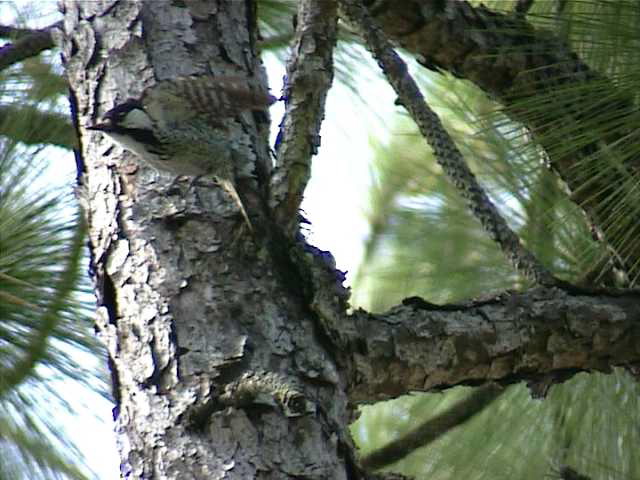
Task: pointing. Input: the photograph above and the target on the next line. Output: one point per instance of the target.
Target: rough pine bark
(232, 354)
(219, 370)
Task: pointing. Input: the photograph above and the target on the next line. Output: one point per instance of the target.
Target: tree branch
(522, 7)
(446, 153)
(28, 43)
(309, 76)
(568, 473)
(510, 60)
(433, 428)
(542, 336)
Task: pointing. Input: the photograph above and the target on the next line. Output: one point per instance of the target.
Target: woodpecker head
(130, 126)
(182, 125)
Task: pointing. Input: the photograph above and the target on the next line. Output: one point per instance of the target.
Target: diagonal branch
(433, 428)
(28, 43)
(522, 7)
(309, 76)
(567, 473)
(511, 61)
(446, 153)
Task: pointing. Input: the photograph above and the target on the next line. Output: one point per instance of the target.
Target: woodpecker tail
(231, 189)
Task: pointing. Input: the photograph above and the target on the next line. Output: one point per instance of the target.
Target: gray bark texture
(218, 366)
(232, 353)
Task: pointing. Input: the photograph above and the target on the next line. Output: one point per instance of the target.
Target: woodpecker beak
(127, 115)
(100, 127)
(97, 127)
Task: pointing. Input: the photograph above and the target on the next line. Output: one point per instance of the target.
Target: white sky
(334, 203)
(335, 199)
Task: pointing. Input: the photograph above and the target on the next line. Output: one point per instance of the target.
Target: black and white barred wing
(215, 99)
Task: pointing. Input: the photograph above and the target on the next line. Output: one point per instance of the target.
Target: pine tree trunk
(231, 352)
(218, 370)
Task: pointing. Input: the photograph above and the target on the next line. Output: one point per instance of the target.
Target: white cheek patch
(129, 143)
(136, 118)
